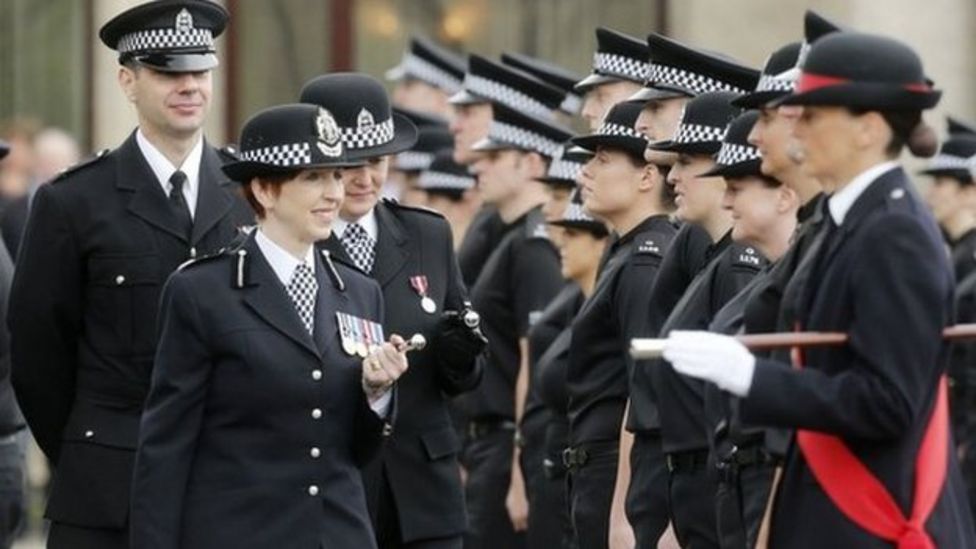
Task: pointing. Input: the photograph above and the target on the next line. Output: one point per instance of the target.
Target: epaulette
(648, 244)
(81, 165)
(229, 153)
(747, 256)
(204, 259)
(394, 204)
(535, 225)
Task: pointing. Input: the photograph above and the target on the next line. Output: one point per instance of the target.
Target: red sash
(862, 498)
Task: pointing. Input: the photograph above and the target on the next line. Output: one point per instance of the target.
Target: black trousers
(488, 460)
(548, 515)
(591, 494)
(740, 504)
(66, 536)
(691, 499)
(387, 520)
(647, 495)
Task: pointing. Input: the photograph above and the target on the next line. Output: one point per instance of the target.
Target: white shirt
(841, 201)
(164, 169)
(283, 263)
(367, 222)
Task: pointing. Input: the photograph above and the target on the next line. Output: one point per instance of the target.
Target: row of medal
(360, 337)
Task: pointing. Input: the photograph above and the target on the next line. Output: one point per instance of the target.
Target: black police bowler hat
(445, 176)
(617, 131)
(361, 106)
(566, 166)
(737, 157)
(957, 156)
(4, 149)
(863, 71)
(287, 138)
(168, 35)
(702, 125)
(430, 139)
(576, 217)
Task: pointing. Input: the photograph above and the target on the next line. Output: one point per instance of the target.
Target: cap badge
(330, 140)
(365, 121)
(184, 22)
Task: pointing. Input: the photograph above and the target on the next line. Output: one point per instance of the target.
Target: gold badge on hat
(330, 140)
(184, 21)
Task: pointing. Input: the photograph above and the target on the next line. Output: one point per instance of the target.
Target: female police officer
(871, 464)
(256, 424)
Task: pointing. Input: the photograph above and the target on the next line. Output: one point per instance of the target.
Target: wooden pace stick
(653, 347)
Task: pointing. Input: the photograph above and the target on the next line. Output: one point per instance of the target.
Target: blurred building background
(53, 68)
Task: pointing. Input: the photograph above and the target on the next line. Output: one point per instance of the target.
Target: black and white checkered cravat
(302, 289)
(359, 246)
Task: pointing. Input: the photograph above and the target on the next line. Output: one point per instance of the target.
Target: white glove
(717, 358)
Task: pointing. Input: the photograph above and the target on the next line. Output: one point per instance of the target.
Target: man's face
(663, 116)
(599, 99)
(773, 136)
(499, 175)
(363, 186)
(419, 96)
(171, 103)
(697, 198)
(470, 125)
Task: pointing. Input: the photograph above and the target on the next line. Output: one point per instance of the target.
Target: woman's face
(580, 252)
(363, 186)
(827, 137)
(304, 207)
(773, 136)
(697, 198)
(756, 208)
(610, 183)
(946, 197)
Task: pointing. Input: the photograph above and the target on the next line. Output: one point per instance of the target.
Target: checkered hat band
(611, 64)
(292, 154)
(525, 139)
(571, 104)
(165, 39)
(611, 128)
(772, 82)
(564, 169)
(378, 134)
(413, 161)
(441, 180)
(576, 212)
(733, 153)
(506, 95)
(951, 162)
(422, 69)
(695, 133)
(663, 75)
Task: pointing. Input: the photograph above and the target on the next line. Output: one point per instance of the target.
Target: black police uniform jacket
(100, 243)
(242, 443)
(420, 458)
(884, 281)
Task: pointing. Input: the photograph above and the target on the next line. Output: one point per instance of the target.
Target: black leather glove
(461, 339)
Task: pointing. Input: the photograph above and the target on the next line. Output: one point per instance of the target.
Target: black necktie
(178, 203)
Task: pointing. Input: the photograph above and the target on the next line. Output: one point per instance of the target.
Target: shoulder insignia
(90, 161)
(539, 231)
(229, 153)
(204, 258)
(747, 256)
(394, 205)
(647, 245)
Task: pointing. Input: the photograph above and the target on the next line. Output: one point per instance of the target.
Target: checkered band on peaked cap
(554, 75)
(865, 71)
(737, 157)
(488, 81)
(169, 35)
(287, 138)
(514, 129)
(618, 57)
(361, 106)
(677, 67)
(617, 131)
(575, 216)
(703, 124)
(429, 62)
(565, 167)
(430, 139)
(778, 77)
(955, 159)
(444, 174)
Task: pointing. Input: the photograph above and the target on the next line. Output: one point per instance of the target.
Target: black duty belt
(479, 429)
(687, 462)
(739, 458)
(554, 468)
(578, 456)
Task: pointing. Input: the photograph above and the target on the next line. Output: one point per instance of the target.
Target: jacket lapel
(148, 200)
(391, 255)
(329, 300)
(335, 247)
(269, 301)
(213, 200)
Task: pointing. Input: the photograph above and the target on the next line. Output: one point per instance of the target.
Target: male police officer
(99, 245)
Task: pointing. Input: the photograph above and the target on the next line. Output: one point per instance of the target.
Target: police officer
(618, 185)
(518, 280)
(414, 486)
(100, 243)
(730, 267)
(273, 376)
(871, 464)
(582, 241)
